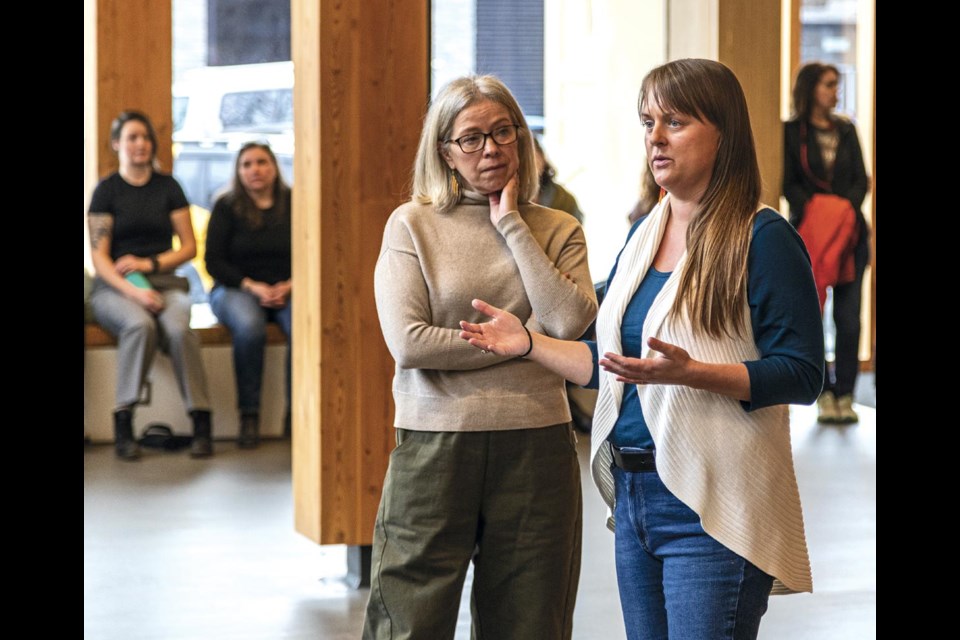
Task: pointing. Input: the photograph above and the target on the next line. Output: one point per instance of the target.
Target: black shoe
(249, 431)
(127, 448)
(202, 445)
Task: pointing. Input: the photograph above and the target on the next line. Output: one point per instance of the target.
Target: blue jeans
(247, 320)
(675, 580)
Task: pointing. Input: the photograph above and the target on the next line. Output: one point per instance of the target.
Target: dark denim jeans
(675, 580)
(247, 320)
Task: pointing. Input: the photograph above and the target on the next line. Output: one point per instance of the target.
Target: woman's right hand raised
(503, 335)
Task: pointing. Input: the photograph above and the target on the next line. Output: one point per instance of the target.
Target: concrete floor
(176, 548)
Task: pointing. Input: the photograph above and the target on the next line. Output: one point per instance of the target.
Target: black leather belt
(635, 461)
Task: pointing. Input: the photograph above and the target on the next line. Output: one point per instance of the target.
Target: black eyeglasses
(473, 142)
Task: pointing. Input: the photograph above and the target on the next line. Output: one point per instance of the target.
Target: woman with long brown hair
(821, 154)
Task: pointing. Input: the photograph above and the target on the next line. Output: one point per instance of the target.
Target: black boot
(202, 445)
(127, 447)
(249, 431)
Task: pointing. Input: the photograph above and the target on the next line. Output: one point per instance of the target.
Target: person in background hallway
(709, 327)
(822, 155)
(133, 216)
(551, 194)
(248, 256)
(485, 465)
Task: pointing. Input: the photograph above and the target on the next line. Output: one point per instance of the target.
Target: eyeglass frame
(483, 145)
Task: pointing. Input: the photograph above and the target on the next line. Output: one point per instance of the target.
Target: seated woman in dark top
(134, 214)
(248, 255)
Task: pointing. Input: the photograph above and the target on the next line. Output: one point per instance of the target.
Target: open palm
(503, 334)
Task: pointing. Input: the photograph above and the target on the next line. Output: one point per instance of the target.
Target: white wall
(596, 54)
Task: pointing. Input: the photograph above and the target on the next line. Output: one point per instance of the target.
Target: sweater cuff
(510, 223)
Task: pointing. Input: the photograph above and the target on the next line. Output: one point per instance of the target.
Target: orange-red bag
(829, 229)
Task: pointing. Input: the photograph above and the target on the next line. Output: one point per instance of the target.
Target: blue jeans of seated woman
(247, 320)
(675, 580)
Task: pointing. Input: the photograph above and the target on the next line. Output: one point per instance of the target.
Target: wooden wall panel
(134, 71)
(360, 94)
(749, 43)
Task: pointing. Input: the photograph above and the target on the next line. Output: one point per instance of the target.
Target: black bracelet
(155, 262)
(530, 337)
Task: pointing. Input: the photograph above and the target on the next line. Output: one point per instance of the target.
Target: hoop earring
(454, 184)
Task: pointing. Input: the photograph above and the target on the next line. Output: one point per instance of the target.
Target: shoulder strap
(805, 163)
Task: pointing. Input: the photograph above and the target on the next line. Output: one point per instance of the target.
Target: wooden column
(749, 43)
(360, 94)
(133, 71)
(745, 36)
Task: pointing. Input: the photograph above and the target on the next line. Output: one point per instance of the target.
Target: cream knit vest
(733, 468)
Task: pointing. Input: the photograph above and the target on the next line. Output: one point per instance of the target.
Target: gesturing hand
(671, 365)
(504, 335)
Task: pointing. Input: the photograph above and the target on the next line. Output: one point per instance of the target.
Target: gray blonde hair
(431, 175)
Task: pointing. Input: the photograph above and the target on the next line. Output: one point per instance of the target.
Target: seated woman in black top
(248, 254)
(134, 214)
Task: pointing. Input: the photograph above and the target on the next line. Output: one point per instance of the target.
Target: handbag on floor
(161, 436)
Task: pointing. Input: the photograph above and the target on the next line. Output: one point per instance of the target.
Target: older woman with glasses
(485, 465)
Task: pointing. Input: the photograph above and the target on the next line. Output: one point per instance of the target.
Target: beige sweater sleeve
(563, 306)
(403, 305)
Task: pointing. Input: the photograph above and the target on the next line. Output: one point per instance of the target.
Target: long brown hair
(713, 286)
(241, 202)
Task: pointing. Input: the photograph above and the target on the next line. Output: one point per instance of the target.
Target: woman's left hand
(671, 365)
(505, 201)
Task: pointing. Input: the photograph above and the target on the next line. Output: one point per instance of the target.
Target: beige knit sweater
(432, 265)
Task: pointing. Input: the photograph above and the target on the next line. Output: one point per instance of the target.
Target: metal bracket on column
(358, 566)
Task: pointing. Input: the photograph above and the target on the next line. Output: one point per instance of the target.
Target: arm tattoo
(101, 226)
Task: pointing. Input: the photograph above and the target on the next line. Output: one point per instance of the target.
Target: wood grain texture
(360, 94)
(749, 43)
(134, 71)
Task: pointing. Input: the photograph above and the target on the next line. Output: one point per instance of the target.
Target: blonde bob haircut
(432, 178)
(713, 286)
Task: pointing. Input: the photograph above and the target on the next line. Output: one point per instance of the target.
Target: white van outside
(234, 104)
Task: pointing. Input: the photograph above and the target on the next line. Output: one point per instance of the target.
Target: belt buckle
(635, 460)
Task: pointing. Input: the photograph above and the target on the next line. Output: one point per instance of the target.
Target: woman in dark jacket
(822, 155)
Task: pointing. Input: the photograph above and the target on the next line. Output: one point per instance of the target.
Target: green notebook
(137, 279)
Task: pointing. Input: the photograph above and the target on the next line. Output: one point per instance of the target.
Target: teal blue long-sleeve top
(784, 313)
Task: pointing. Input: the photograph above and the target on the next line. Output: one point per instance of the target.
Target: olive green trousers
(508, 500)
